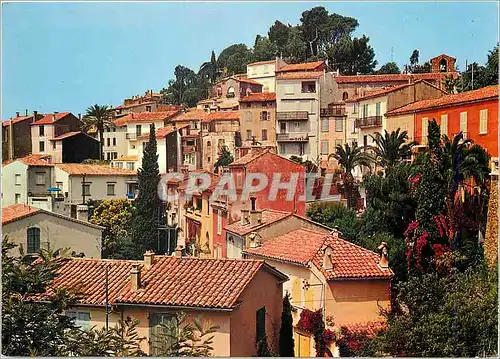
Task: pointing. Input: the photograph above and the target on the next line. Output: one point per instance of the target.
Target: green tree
(98, 117)
(286, 341)
(225, 159)
(349, 158)
(353, 56)
(391, 148)
(279, 34)
(116, 216)
(295, 48)
(210, 69)
(388, 68)
(263, 49)
(235, 58)
(450, 84)
(31, 328)
(184, 337)
(145, 224)
(263, 348)
(186, 89)
(492, 67)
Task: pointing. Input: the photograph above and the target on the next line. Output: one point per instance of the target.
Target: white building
(264, 72)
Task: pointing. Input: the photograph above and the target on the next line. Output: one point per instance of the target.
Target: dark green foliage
(310, 166)
(286, 341)
(483, 75)
(145, 224)
(445, 316)
(264, 49)
(335, 215)
(98, 118)
(263, 348)
(225, 159)
(210, 70)
(391, 148)
(234, 59)
(388, 68)
(186, 89)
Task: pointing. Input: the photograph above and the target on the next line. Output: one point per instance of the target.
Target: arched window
(345, 96)
(209, 143)
(443, 65)
(327, 258)
(230, 92)
(33, 240)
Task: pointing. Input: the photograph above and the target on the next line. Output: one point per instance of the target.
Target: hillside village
(394, 182)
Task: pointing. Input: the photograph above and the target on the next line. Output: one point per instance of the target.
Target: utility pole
(392, 53)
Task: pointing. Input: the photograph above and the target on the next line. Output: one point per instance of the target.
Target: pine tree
(286, 331)
(263, 348)
(145, 227)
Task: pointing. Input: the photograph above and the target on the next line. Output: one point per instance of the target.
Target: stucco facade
(264, 72)
(115, 142)
(258, 119)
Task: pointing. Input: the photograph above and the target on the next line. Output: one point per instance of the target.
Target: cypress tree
(145, 228)
(286, 340)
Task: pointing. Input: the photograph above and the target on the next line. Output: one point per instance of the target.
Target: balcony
(292, 137)
(131, 136)
(292, 116)
(188, 149)
(370, 121)
(332, 111)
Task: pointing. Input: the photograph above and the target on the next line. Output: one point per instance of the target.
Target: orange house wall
(489, 140)
(263, 290)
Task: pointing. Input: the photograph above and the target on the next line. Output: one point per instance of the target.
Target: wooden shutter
(463, 123)
(444, 124)
(483, 121)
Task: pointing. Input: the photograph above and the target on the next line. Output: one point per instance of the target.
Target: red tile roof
(126, 158)
(393, 77)
(51, 118)
(66, 135)
(304, 246)
(94, 170)
(170, 281)
(163, 131)
(385, 91)
(222, 116)
(17, 119)
(262, 63)
(482, 94)
(255, 97)
(190, 115)
(19, 211)
(299, 75)
(33, 160)
(148, 117)
(307, 66)
(248, 81)
(249, 157)
(268, 216)
(135, 104)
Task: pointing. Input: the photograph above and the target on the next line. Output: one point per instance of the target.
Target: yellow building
(258, 119)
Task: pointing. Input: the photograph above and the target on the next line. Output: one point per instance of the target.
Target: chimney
(135, 277)
(254, 200)
(255, 218)
(54, 116)
(244, 216)
(17, 114)
(80, 116)
(35, 114)
(26, 112)
(149, 258)
(178, 252)
(384, 259)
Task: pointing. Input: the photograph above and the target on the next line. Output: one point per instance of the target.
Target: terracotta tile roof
(228, 104)
(307, 66)
(94, 170)
(222, 116)
(51, 118)
(134, 105)
(388, 90)
(148, 117)
(18, 119)
(164, 131)
(126, 158)
(299, 75)
(66, 135)
(304, 246)
(249, 157)
(170, 281)
(482, 94)
(255, 97)
(268, 216)
(19, 211)
(190, 115)
(392, 77)
(33, 160)
(262, 63)
(248, 81)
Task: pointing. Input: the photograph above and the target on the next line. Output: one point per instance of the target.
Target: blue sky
(68, 56)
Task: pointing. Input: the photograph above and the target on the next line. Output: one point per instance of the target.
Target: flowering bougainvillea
(312, 322)
(354, 339)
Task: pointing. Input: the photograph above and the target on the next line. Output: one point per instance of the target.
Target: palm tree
(349, 158)
(391, 148)
(98, 117)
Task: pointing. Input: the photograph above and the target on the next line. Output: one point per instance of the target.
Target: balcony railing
(131, 136)
(370, 121)
(332, 111)
(292, 137)
(292, 116)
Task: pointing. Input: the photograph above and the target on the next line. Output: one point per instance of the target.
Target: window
(377, 109)
(108, 156)
(148, 108)
(296, 126)
(483, 121)
(365, 140)
(111, 189)
(108, 141)
(249, 135)
(230, 92)
(59, 185)
(345, 96)
(33, 240)
(264, 116)
(308, 87)
(264, 135)
(130, 166)
(282, 148)
(18, 198)
(114, 141)
(86, 189)
(339, 125)
(208, 159)
(355, 107)
(289, 90)
(425, 124)
(260, 324)
(239, 180)
(324, 147)
(209, 144)
(82, 319)
(41, 130)
(42, 146)
(114, 129)
(444, 124)
(138, 130)
(219, 222)
(324, 125)
(365, 110)
(463, 123)
(40, 178)
(18, 179)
